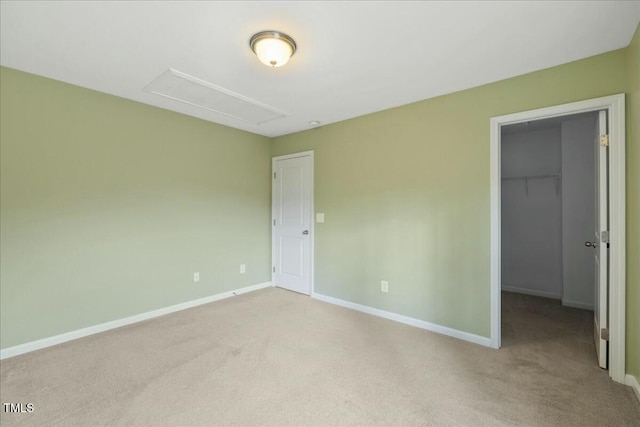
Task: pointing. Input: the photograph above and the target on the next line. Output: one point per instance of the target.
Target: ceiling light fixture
(273, 48)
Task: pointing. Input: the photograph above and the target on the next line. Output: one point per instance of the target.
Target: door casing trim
(615, 107)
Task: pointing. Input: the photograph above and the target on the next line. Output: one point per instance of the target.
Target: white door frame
(312, 222)
(615, 107)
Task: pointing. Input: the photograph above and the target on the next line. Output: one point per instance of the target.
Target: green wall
(109, 206)
(633, 208)
(406, 193)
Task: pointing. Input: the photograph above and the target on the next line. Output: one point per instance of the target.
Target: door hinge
(274, 269)
(604, 140)
(604, 237)
(604, 334)
(274, 222)
(274, 175)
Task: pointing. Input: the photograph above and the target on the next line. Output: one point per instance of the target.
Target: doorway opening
(531, 193)
(548, 220)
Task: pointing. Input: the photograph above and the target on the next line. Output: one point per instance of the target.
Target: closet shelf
(526, 179)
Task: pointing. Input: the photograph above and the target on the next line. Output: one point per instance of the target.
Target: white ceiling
(353, 58)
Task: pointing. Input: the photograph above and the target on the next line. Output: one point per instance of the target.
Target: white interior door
(601, 242)
(292, 222)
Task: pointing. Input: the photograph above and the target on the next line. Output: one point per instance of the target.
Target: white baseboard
(80, 333)
(531, 292)
(476, 339)
(633, 382)
(577, 304)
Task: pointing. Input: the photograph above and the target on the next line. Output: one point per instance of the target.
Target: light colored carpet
(273, 357)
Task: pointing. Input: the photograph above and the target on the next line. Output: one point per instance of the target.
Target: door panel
(292, 254)
(292, 221)
(600, 244)
(291, 181)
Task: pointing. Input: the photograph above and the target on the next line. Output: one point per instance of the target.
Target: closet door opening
(606, 242)
(549, 182)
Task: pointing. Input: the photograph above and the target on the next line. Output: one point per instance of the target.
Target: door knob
(591, 244)
(305, 232)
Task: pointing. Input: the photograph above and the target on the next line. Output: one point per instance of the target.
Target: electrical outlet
(196, 276)
(243, 268)
(384, 286)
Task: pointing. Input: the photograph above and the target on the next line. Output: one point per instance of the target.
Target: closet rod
(556, 175)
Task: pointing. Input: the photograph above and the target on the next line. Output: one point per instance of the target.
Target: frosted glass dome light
(273, 48)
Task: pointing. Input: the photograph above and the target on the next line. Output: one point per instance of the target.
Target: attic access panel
(182, 87)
